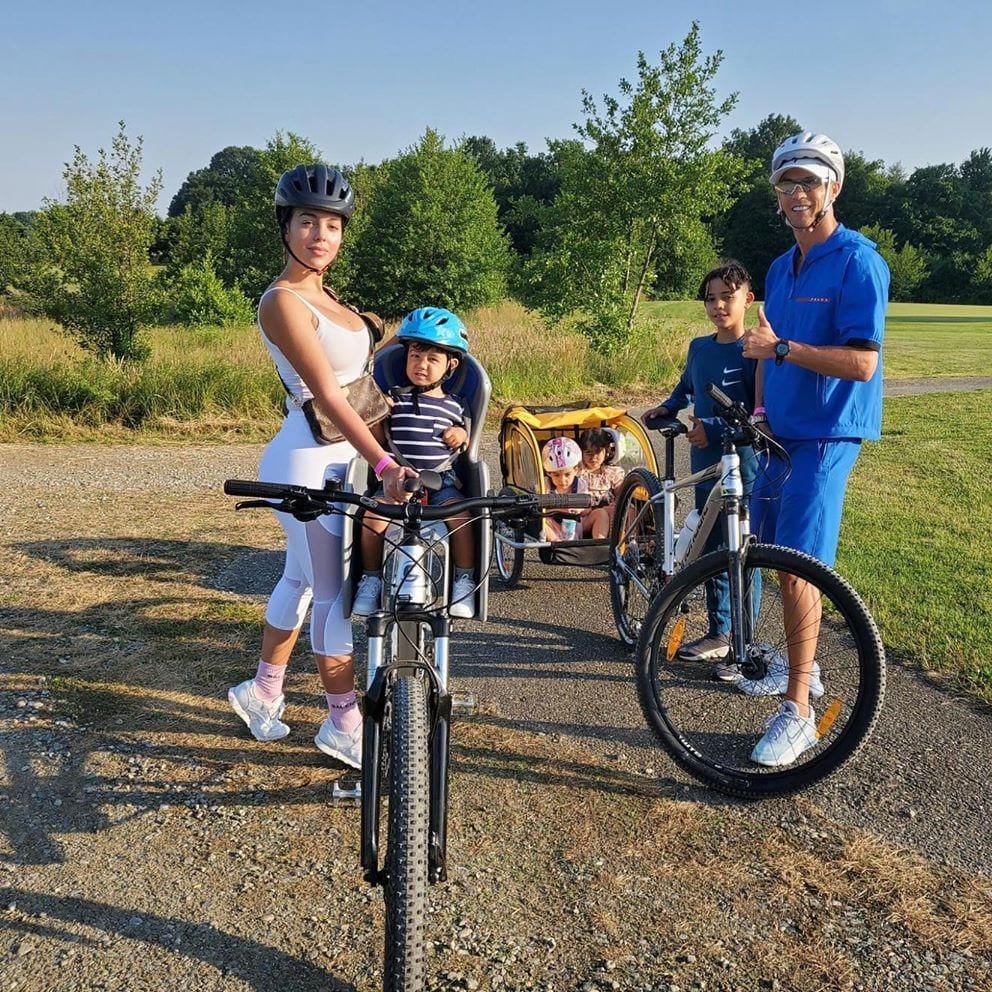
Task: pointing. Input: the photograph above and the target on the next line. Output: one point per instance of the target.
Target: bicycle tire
(509, 561)
(405, 887)
(709, 726)
(635, 543)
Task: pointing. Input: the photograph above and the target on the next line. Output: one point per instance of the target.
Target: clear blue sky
(900, 80)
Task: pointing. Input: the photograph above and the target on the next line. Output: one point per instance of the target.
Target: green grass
(917, 535)
(921, 339)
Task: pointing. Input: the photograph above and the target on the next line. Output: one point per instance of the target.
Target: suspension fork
(439, 715)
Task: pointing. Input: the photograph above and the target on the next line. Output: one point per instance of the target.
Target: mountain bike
(708, 715)
(407, 704)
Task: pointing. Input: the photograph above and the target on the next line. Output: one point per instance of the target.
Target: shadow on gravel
(504, 763)
(260, 967)
(227, 567)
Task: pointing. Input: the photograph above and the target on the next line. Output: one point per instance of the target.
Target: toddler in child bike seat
(426, 428)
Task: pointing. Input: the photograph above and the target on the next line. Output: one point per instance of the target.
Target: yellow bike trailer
(523, 431)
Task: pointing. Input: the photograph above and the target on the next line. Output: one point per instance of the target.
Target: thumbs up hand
(759, 342)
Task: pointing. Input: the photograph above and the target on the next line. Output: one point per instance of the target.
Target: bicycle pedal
(464, 703)
(346, 792)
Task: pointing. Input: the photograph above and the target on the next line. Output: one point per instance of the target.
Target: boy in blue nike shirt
(716, 358)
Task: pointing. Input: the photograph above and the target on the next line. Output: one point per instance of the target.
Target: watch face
(782, 348)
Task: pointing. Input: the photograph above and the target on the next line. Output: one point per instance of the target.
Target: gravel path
(149, 844)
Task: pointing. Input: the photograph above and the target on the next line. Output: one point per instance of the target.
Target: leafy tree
(522, 185)
(646, 176)
(431, 235)
(195, 295)
(907, 265)
(17, 233)
(94, 277)
(230, 172)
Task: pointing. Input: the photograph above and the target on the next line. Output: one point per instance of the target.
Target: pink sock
(343, 707)
(268, 681)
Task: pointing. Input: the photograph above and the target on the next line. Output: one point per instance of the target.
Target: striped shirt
(417, 436)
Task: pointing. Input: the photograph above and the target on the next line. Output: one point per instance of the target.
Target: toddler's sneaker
(337, 744)
(776, 680)
(787, 736)
(463, 598)
(367, 596)
(261, 717)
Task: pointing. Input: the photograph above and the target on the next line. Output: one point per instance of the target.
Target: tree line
(638, 205)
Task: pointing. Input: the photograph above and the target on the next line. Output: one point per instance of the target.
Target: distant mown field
(215, 383)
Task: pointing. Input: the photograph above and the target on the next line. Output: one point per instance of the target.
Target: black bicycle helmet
(317, 186)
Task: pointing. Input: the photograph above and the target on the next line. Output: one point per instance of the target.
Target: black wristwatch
(782, 348)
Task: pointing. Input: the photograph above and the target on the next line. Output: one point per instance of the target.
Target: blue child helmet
(436, 326)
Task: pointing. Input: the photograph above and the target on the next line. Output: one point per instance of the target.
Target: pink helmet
(561, 453)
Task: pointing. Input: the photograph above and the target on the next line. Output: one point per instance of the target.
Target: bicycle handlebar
(299, 499)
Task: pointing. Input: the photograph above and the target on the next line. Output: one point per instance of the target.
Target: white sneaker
(261, 717)
(337, 744)
(463, 598)
(776, 680)
(367, 596)
(787, 735)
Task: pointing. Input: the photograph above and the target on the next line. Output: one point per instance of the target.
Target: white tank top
(347, 351)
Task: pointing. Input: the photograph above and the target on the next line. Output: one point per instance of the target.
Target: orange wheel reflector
(826, 721)
(675, 638)
(640, 493)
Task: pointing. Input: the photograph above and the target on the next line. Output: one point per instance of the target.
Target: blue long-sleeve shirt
(724, 364)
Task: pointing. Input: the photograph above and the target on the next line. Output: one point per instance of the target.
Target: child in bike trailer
(426, 429)
(561, 458)
(716, 358)
(601, 447)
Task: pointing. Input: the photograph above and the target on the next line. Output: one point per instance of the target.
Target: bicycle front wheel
(405, 888)
(710, 714)
(636, 549)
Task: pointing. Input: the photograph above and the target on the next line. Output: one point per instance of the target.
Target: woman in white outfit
(317, 344)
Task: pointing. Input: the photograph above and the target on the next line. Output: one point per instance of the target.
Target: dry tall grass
(212, 381)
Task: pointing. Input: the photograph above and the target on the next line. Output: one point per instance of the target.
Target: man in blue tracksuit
(820, 337)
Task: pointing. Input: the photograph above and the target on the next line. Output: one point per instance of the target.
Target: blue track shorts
(804, 511)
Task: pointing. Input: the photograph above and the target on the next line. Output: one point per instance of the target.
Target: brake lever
(252, 504)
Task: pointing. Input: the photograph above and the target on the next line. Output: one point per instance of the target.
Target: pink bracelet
(759, 409)
(382, 464)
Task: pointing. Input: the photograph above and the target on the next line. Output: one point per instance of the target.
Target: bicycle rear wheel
(709, 725)
(636, 547)
(405, 888)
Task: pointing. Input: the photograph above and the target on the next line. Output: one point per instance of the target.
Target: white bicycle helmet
(616, 453)
(560, 453)
(816, 153)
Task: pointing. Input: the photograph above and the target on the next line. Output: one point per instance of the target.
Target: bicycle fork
(374, 708)
(737, 534)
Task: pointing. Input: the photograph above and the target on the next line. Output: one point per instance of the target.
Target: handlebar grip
(264, 490)
(719, 396)
(565, 501)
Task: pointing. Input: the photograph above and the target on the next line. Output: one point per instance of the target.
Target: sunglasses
(792, 186)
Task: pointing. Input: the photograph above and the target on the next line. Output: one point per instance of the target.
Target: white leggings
(313, 549)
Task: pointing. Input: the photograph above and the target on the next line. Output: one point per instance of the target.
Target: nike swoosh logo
(728, 371)
(733, 382)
